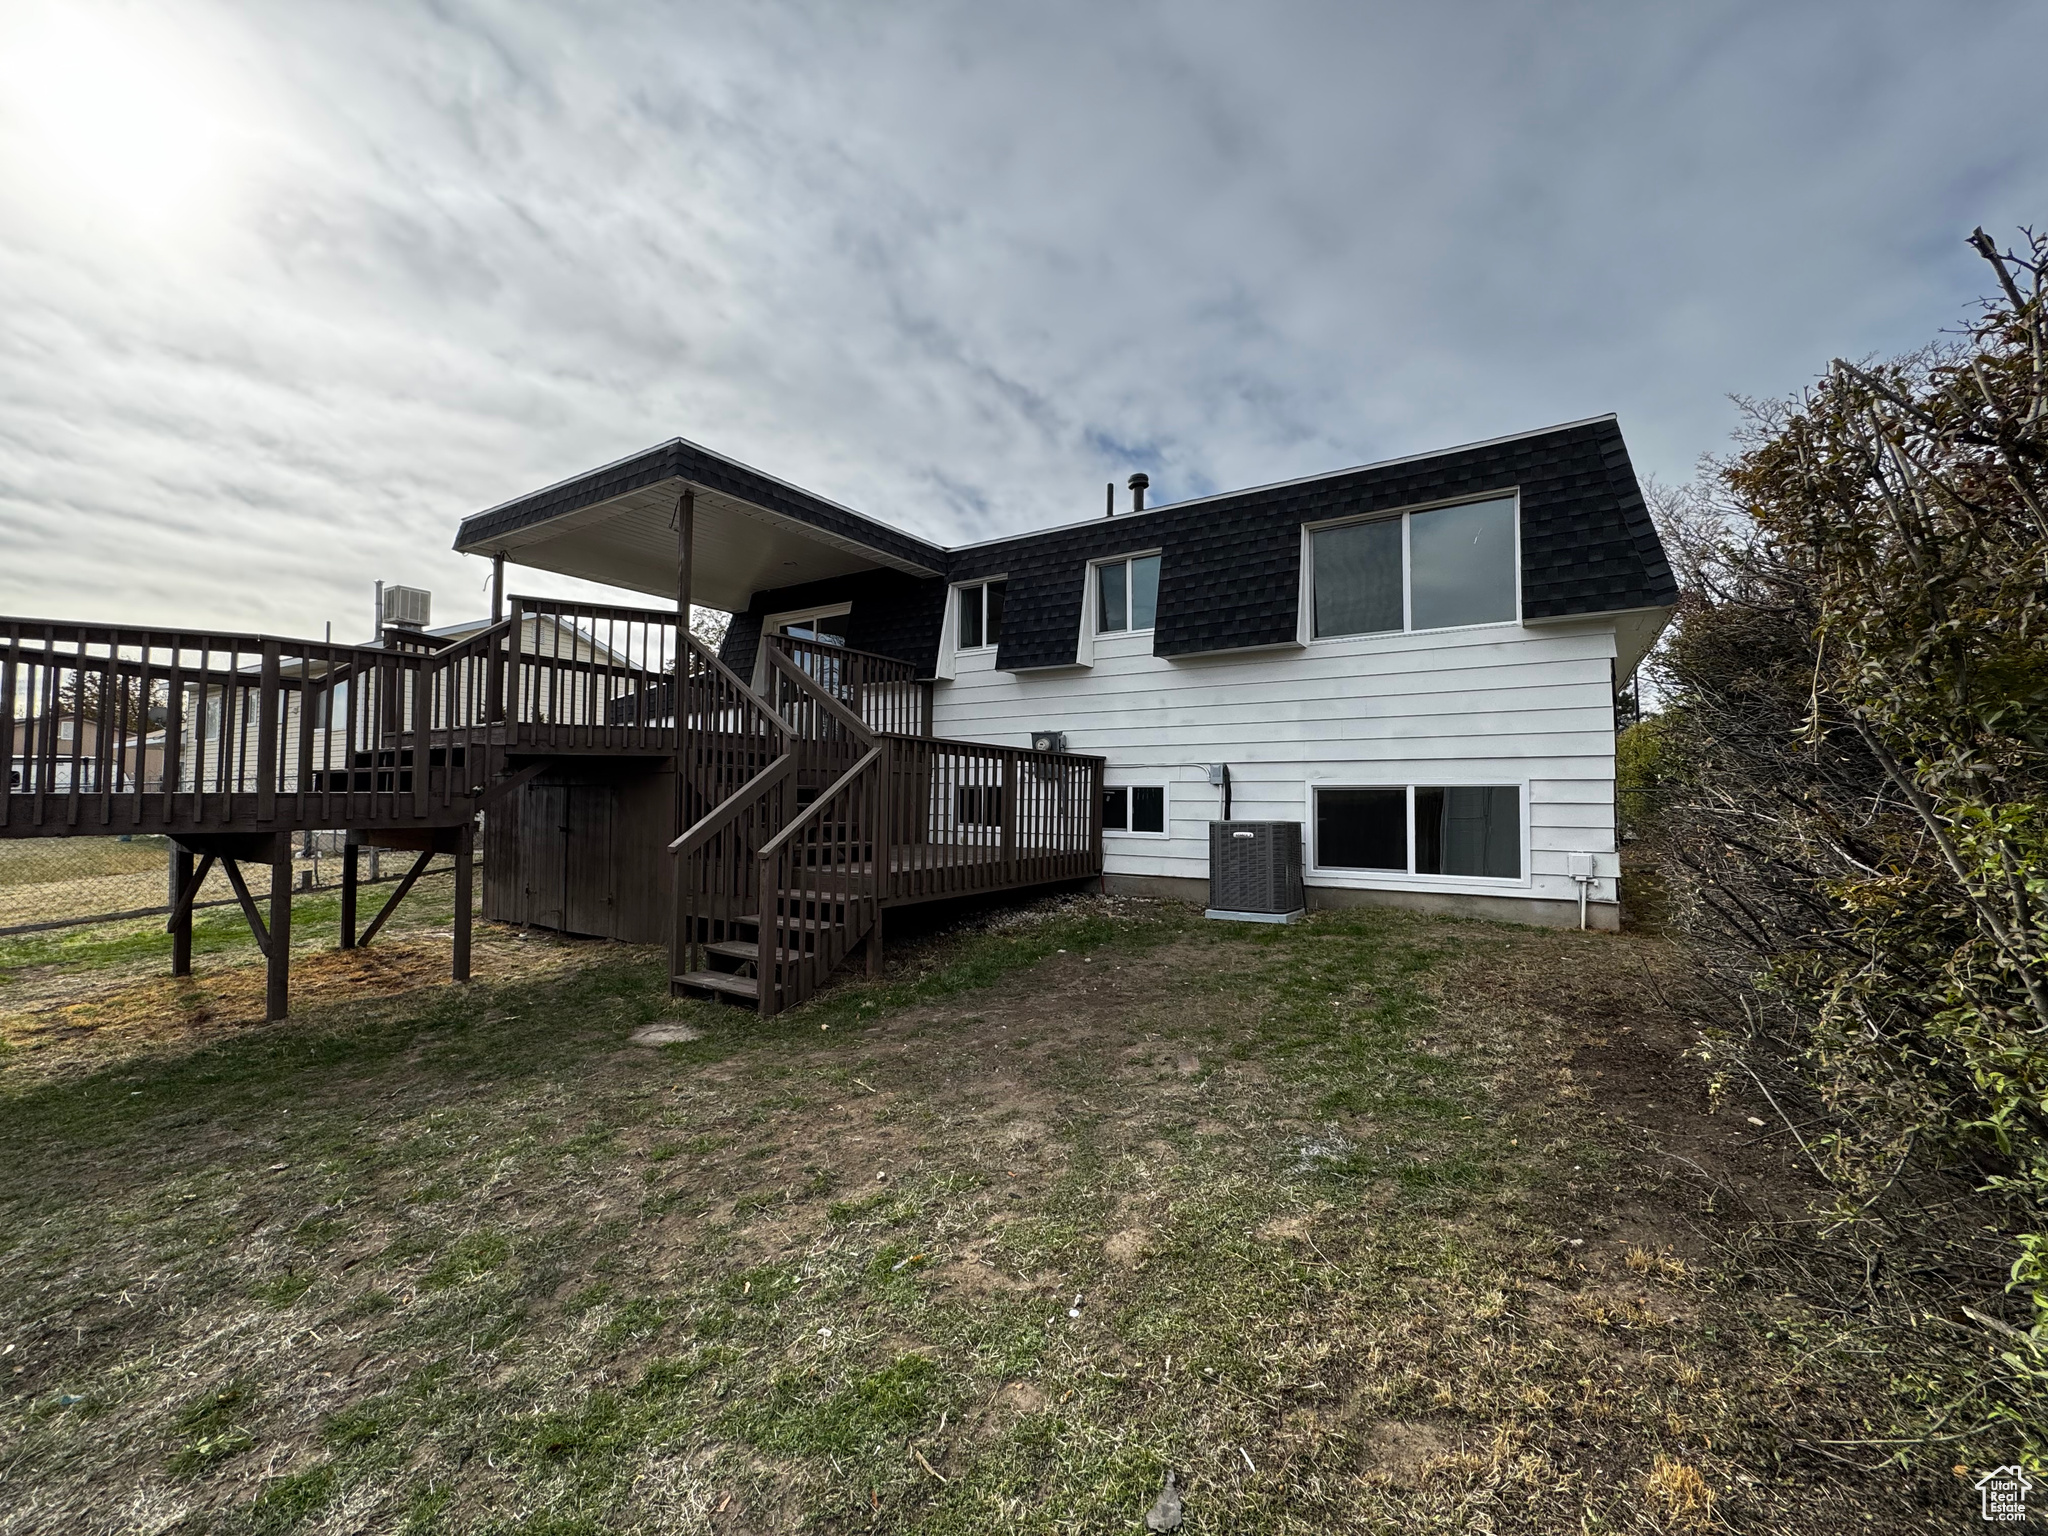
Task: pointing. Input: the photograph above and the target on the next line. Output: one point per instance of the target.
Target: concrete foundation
(1604, 916)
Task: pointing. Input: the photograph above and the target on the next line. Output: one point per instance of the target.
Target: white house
(1416, 660)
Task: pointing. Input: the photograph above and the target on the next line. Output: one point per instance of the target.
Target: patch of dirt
(1283, 1229)
(1020, 1399)
(1127, 1247)
(665, 1034)
(100, 1017)
(1404, 1452)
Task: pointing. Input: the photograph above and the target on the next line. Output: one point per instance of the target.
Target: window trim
(1165, 788)
(1091, 613)
(774, 623)
(1305, 628)
(1335, 874)
(956, 606)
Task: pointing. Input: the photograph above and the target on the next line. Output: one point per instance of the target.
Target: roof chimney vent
(1138, 482)
(1109, 499)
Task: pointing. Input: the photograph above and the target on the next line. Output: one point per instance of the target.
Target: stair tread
(739, 949)
(721, 981)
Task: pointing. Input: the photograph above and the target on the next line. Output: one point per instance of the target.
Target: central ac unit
(1255, 871)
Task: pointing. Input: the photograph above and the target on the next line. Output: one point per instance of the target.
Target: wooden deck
(232, 743)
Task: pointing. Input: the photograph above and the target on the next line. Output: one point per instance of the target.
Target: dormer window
(1444, 568)
(981, 615)
(1126, 594)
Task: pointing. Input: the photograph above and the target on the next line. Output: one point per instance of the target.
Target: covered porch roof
(616, 525)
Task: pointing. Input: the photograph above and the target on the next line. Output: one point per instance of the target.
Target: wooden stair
(741, 954)
(724, 983)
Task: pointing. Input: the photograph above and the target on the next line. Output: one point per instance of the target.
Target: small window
(1362, 829)
(979, 805)
(1358, 578)
(981, 615)
(1461, 565)
(1469, 830)
(1438, 569)
(1126, 595)
(1139, 808)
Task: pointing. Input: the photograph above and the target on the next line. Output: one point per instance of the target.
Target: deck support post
(874, 946)
(497, 587)
(181, 911)
(277, 992)
(465, 852)
(351, 875)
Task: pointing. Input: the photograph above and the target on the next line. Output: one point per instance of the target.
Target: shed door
(543, 863)
(590, 874)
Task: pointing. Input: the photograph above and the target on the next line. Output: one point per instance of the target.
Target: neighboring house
(62, 751)
(1418, 660)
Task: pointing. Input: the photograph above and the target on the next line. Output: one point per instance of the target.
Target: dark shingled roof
(1230, 573)
(1230, 570)
(680, 459)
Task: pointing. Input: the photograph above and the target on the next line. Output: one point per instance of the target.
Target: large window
(1126, 594)
(1439, 569)
(981, 615)
(1466, 830)
(1139, 808)
(828, 626)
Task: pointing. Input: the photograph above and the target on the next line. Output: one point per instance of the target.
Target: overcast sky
(287, 289)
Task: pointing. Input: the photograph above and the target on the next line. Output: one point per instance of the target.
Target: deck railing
(966, 817)
(129, 729)
(886, 693)
(588, 677)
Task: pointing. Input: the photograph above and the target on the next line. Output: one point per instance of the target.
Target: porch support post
(351, 875)
(874, 945)
(277, 993)
(497, 586)
(681, 945)
(181, 911)
(465, 850)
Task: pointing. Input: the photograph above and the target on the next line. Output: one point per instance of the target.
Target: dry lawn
(1378, 1224)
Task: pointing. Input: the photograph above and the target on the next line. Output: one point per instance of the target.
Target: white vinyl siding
(1529, 706)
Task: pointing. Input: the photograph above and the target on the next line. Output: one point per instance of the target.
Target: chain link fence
(60, 882)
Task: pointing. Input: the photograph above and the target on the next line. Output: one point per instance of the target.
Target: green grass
(1155, 1193)
(39, 861)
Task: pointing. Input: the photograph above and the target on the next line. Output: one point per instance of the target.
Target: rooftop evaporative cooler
(1255, 871)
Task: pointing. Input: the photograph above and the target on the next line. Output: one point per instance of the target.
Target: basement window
(978, 805)
(981, 615)
(1466, 831)
(1443, 568)
(1126, 594)
(1139, 809)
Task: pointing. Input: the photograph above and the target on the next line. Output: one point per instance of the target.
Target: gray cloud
(955, 265)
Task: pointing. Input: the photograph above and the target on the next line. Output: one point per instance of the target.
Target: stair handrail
(809, 686)
(741, 687)
(816, 808)
(713, 821)
(786, 971)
